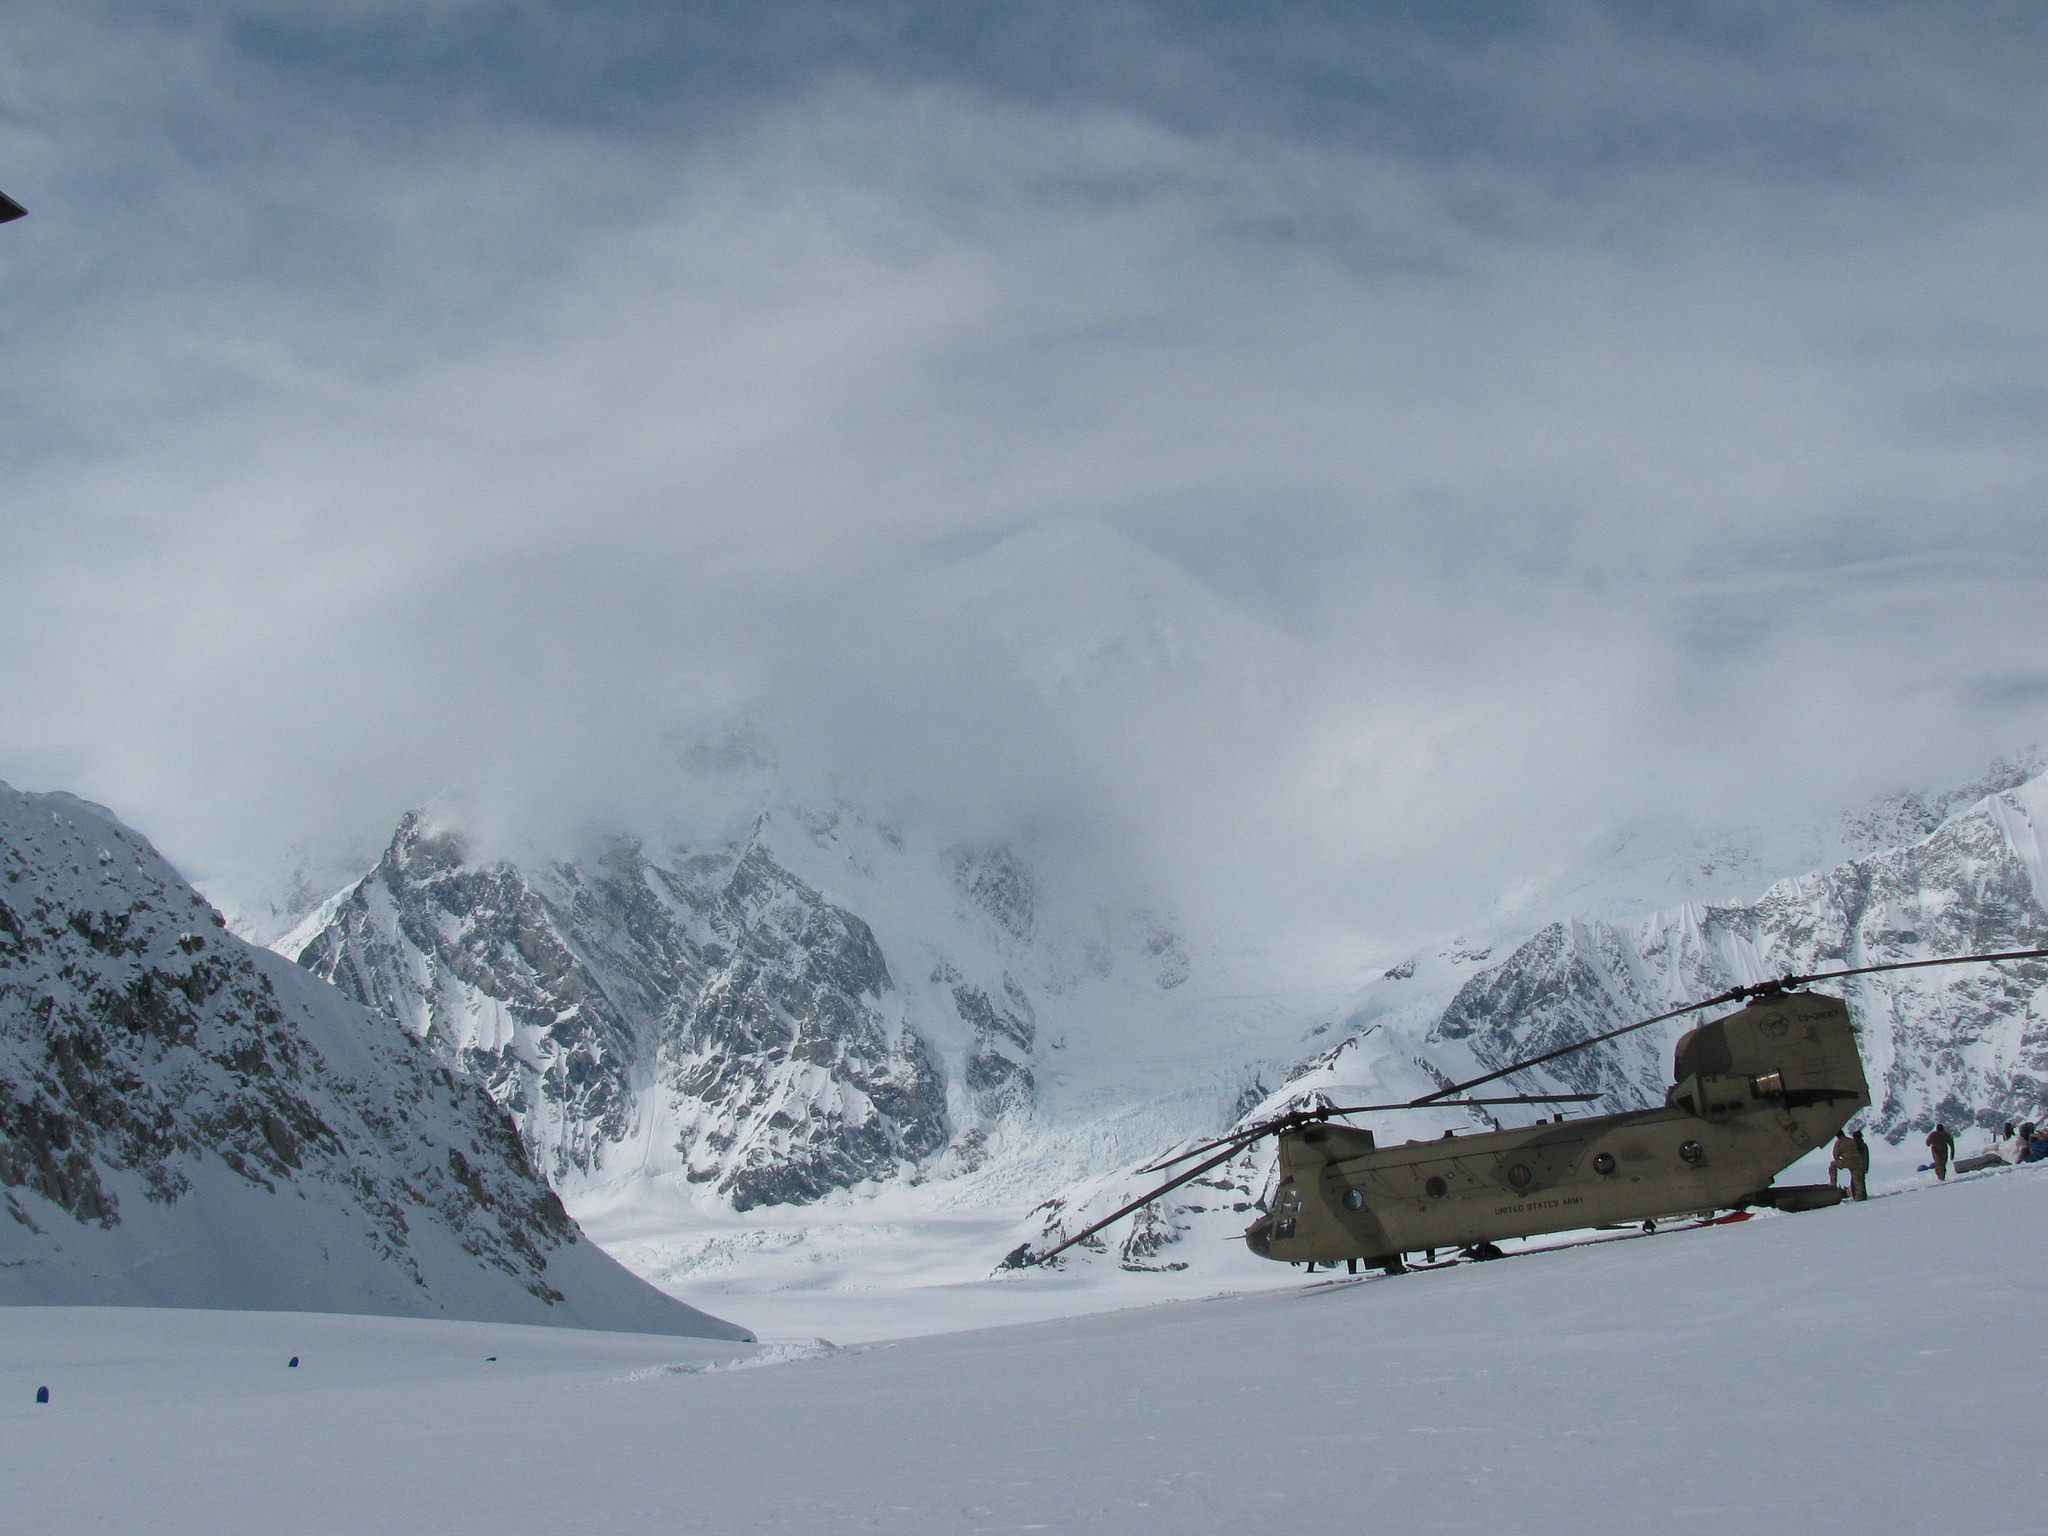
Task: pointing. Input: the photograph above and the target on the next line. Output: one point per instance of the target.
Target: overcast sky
(1338, 457)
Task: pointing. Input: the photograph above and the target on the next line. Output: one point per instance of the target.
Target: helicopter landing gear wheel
(1394, 1266)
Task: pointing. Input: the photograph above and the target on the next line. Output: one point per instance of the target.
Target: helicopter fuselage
(1755, 1091)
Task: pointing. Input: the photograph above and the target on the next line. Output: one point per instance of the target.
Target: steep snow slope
(187, 1120)
(1872, 1369)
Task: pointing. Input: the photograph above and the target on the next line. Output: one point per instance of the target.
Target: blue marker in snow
(292, 1364)
(42, 1394)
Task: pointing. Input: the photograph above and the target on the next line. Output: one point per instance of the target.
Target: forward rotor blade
(1244, 1137)
(1172, 1184)
(1732, 995)
(1537, 1061)
(1306, 1116)
(1903, 965)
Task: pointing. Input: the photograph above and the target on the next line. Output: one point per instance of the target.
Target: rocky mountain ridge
(188, 1120)
(1968, 1046)
(755, 1008)
(710, 1015)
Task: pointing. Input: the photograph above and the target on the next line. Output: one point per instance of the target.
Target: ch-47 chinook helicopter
(1755, 1091)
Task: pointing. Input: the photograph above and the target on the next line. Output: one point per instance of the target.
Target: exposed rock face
(473, 960)
(185, 1119)
(1000, 884)
(799, 1077)
(714, 999)
(1967, 1046)
(998, 1065)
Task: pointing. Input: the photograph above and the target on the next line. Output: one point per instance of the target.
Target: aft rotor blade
(1307, 1116)
(1537, 1061)
(1732, 995)
(1904, 965)
(1172, 1184)
(1436, 1103)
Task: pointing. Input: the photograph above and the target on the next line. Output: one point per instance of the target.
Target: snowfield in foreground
(1875, 1369)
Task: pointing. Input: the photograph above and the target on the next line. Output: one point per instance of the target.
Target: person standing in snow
(1943, 1146)
(1857, 1161)
(1844, 1154)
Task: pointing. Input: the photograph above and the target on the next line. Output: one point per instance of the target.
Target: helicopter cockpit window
(1290, 1199)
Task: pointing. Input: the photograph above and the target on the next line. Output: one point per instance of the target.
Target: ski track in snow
(1872, 1369)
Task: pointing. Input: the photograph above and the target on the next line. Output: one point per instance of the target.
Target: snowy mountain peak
(1079, 607)
(706, 1013)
